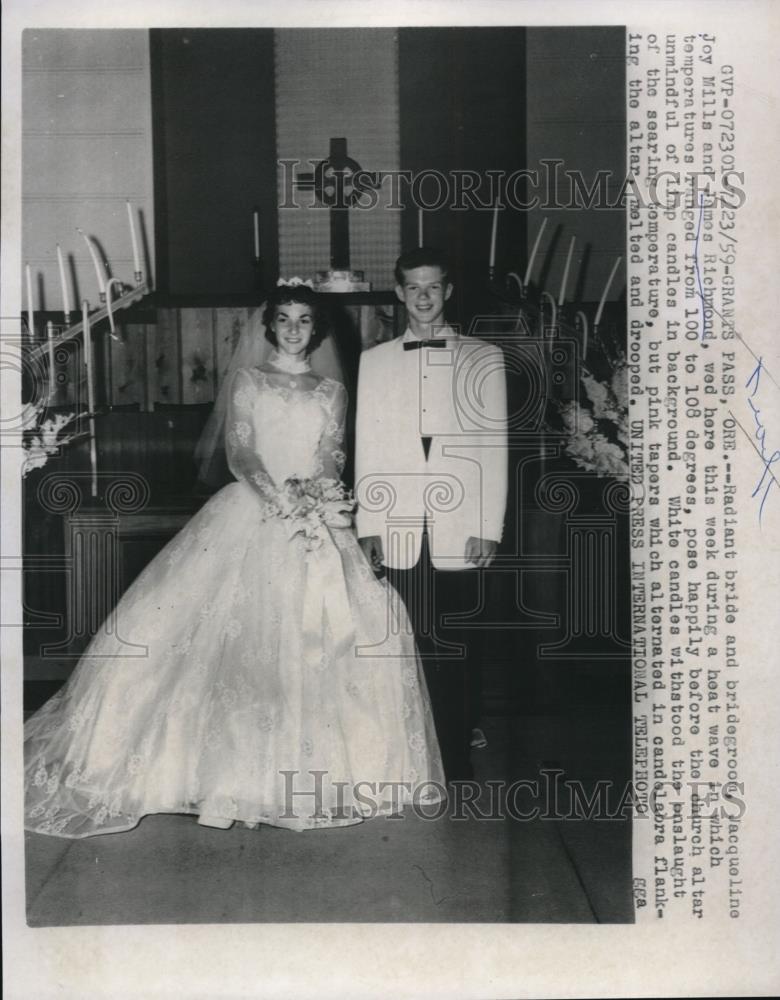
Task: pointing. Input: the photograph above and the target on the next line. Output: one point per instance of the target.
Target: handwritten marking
(760, 436)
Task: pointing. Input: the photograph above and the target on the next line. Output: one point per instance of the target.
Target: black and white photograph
(353, 583)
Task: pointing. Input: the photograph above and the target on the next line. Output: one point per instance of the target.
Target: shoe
(217, 822)
(478, 740)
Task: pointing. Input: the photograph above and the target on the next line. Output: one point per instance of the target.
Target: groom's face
(424, 292)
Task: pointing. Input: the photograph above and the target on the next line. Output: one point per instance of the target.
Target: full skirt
(222, 685)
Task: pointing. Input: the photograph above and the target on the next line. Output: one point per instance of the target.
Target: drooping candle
(493, 237)
(30, 307)
(565, 278)
(534, 251)
(63, 284)
(605, 293)
(133, 239)
(98, 269)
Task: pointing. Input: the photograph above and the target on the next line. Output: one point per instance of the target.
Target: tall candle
(52, 373)
(63, 284)
(534, 251)
(256, 221)
(30, 307)
(87, 333)
(98, 270)
(493, 235)
(565, 278)
(582, 319)
(419, 227)
(133, 239)
(605, 293)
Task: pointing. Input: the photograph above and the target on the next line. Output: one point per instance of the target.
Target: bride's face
(293, 325)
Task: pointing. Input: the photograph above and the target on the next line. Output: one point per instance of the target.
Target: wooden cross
(333, 188)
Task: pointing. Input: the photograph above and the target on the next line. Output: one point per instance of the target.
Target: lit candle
(63, 285)
(419, 227)
(534, 251)
(133, 240)
(98, 270)
(52, 373)
(256, 220)
(30, 307)
(564, 280)
(493, 235)
(605, 293)
(90, 393)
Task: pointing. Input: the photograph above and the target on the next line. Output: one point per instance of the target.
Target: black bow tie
(415, 345)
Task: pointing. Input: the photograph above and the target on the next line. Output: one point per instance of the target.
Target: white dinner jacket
(455, 395)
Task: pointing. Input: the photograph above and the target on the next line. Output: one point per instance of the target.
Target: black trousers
(450, 651)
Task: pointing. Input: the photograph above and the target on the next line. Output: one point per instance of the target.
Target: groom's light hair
(422, 257)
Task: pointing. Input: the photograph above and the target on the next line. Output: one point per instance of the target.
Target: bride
(280, 683)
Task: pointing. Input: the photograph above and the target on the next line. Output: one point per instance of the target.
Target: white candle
(87, 333)
(256, 220)
(534, 251)
(98, 270)
(493, 235)
(30, 307)
(52, 373)
(565, 278)
(63, 284)
(133, 239)
(419, 227)
(605, 293)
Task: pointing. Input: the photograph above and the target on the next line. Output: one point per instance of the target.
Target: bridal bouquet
(312, 506)
(597, 427)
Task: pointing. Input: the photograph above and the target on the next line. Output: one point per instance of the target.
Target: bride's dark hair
(284, 295)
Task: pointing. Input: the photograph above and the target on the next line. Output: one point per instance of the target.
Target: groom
(431, 479)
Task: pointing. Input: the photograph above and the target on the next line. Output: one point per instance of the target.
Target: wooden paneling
(128, 366)
(228, 327)
(164, 355)
(197, 355)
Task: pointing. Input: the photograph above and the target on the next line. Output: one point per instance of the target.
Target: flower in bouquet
(608, 458)
(619, 386)
(601, 398)
(597, 427)
(42, 439)
(312, 506)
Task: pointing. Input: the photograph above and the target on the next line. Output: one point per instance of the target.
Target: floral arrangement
(41, 438)
(312, 506)
(597, 432)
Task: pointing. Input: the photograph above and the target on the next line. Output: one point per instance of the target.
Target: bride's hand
(338, 514)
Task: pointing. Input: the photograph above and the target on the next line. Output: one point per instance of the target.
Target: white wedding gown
(237, 704)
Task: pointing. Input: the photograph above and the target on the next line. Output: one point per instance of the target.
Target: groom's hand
(480, 551)
(373, 551)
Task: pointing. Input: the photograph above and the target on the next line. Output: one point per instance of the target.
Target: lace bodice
(274, 432)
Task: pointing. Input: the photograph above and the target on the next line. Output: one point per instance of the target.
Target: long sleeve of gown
(331, 448)
(243, 460)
